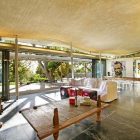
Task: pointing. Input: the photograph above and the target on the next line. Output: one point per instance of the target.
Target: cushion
(77, 82)
(72, 82)
(90, 82)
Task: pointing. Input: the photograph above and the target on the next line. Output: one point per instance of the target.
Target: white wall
(129, 66)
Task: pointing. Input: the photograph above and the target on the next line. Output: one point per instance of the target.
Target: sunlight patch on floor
(39, 101)
(14, 122)
(55, 96)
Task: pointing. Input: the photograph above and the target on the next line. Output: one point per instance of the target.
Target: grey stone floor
(119, 122)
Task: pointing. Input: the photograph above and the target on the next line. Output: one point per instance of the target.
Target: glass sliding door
(98, 68)
(99, 71)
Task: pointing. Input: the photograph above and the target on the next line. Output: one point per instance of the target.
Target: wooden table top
(41, 119)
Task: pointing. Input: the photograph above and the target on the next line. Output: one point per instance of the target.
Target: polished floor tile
(119, 122)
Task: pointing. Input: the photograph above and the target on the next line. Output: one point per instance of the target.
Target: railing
(123, 78)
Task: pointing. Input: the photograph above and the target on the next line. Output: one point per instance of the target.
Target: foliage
(52, 71)
(62, 70)
(52, 66)
(23, 70)
(37, 78)
(80, 67)
(40, 71)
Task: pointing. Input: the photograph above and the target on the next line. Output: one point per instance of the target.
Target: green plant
(37, 78)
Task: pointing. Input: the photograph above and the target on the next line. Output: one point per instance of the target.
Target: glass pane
(99, 71)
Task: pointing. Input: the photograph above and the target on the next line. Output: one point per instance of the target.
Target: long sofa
(107, 89)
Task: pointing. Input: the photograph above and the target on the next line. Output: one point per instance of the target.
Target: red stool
(72, 100)
(72, 92)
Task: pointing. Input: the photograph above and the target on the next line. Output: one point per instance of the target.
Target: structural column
(100, 62)
(94, 68)
(61, 71)
(5, 75)
(85, 69)
(134, 67)
(72, 69)
(16, 68)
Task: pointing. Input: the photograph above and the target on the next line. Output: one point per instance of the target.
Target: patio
(34, 88)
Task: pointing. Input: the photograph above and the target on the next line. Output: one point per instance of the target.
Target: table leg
(98, 119)
(56, 124)
(99, 109)
(1, 124)
(55, 135)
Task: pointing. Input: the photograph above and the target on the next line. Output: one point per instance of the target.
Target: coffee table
(49, 119)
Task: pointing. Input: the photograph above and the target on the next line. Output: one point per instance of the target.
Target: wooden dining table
(51, 118)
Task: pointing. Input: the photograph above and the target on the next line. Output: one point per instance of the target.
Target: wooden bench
(46, 120)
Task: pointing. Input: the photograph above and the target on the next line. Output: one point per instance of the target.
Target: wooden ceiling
(105, 26)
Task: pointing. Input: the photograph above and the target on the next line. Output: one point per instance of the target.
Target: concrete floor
(119, 122)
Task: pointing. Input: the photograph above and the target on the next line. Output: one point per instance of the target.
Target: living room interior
(100, 104)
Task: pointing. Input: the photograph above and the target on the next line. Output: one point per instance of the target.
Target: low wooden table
(46, 121)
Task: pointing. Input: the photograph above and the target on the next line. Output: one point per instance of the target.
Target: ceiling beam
(38, 50)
